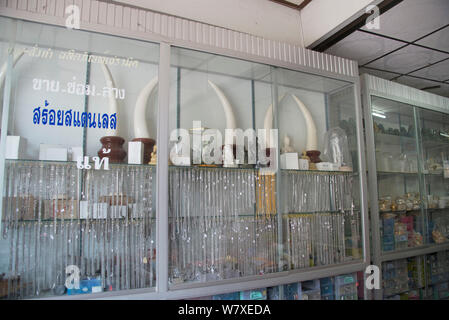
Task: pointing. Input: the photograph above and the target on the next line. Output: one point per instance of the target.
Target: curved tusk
(112, 101)
(5, 65)
(140, 124)
(311, 143)
(268, 122)
(230, 118)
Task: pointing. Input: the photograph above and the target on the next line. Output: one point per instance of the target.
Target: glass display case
(407, 147)
(417, 278)
(129, 165)
(258, 212)
(434, 136)
(77, 210)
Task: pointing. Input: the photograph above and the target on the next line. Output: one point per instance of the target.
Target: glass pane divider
(4, 131)
(162, 210)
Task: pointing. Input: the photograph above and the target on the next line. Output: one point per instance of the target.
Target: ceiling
(410, 47)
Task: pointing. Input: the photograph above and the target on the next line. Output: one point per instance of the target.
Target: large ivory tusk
(311, 143)
(112, 101)
(229, 114)
(268, 123)
(5, 66)
(140, 124)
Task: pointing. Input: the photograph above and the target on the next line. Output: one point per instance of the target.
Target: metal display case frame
(374, 86)
(134, 23)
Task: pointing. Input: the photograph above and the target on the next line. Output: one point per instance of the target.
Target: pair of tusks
(311, 142)
(140, 124)
(141, 128)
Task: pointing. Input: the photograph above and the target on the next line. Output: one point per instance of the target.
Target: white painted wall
(258, 17)
(264, 18)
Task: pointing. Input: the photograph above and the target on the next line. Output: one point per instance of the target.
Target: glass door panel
(398, 179)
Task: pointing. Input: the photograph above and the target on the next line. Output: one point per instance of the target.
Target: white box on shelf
(335, 167)
(57, 154)
(15, 147)
(324, 166)
(119, 211)
(99, 210)
(135, 152)
(75, 153)
(53, 152)
(133, 210)
(83, 210)
(289, 161)
(303, 164)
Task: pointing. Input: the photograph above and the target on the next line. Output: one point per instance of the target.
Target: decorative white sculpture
(268, 123)
(230, 124)
(140, 124)
(227, 108)
(112, 101)
(311, 143)
(287, 148)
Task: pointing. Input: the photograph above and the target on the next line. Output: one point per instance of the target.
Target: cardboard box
(61, 209)
(89, 285)
(117, 200)
(26, 205)
(292, 291)
(256, 294)
(227, 296)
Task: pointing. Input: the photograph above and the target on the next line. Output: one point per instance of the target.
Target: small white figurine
(287, 148)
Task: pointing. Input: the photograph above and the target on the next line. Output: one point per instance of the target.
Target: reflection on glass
(78, 212)
(434, 135)
(400, 196)
(236, 219)
(416, 278)
(320, 206)
(223, 221)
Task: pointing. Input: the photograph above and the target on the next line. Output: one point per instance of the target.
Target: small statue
(287, 148)
(153, 159)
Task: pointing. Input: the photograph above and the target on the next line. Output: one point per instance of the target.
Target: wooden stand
(314, 156)
(115, 144)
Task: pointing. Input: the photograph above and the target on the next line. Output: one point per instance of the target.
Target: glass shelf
(319, 172)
